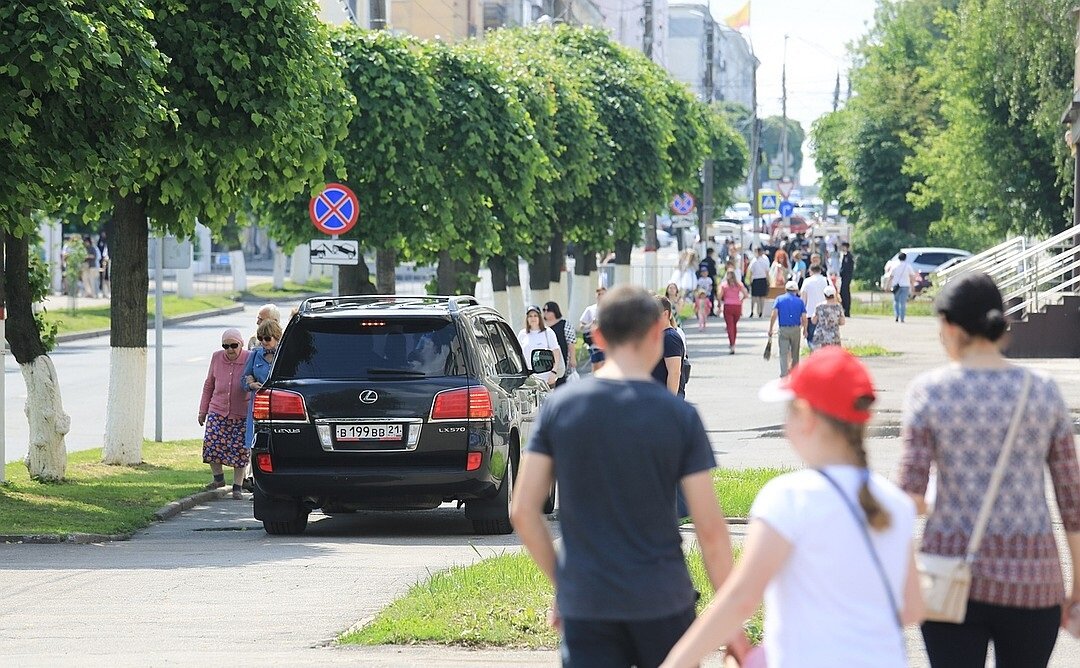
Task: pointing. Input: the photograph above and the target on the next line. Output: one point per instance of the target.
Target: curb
(162, 514)
(187, 317)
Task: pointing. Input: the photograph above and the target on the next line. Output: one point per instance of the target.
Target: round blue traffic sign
(335, 210)
(683, 204)
(786, 209)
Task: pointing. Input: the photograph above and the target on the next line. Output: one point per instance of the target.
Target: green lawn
(266, 291)
(497, 602)
(97, 317)
(862, 350)
(502, 601)
(96, 498)
(884, 307)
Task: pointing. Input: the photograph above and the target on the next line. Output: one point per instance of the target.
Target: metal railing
(1030, 276)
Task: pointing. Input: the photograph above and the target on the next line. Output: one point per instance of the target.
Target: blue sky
(819, 32)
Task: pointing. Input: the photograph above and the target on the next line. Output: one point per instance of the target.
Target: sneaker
(238, 495)
(732, 350)
(215, 484)
(249, 485)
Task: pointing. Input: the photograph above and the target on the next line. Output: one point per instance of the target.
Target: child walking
(703, 307)
(829, 547)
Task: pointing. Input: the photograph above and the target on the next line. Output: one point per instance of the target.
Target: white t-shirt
(759, 268)
(901, 275)
(540, 340)
(813, 291)
(827, 606)
(588, 316)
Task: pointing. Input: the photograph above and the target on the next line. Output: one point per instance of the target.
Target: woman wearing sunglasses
(258, 368)
(222, 410)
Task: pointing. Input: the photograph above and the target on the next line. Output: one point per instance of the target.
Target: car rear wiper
(396, 372)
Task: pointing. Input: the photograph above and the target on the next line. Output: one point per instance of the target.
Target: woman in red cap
(829, 548)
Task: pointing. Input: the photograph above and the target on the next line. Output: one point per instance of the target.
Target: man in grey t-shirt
(623, 594)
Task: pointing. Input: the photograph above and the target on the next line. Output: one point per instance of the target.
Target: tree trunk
(584, 292)
(127, 364)
(446, 274)
(558, 269)
(515, 300)
(239, 270)
(48, 423)
(385, 271)
(540, 276)
(497, 267)
(468, 276)
(623, 250)
(279, 268)
(300, 267)
(355, 279)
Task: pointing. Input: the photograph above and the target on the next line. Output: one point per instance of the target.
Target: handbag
(946, 581)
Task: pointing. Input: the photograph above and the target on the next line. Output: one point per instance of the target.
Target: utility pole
(705, 214)
(651, 281)
(755, 148)
(836, 93)
(784, 129)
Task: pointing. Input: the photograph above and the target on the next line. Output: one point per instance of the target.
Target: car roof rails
(453, 303)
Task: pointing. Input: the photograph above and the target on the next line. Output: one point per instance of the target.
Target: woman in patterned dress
(222, 410)
(827, 319)
(956, 418)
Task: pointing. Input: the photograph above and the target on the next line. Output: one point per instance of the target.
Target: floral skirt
(224, 442)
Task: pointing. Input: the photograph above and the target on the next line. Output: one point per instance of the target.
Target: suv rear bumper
(382, 485)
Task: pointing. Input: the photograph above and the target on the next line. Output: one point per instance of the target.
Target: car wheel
(500, 524)
(288, 527)
(549, 505)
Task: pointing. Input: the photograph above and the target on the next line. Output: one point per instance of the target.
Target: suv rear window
(370, 348)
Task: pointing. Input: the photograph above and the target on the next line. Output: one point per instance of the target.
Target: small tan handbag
(946, 581)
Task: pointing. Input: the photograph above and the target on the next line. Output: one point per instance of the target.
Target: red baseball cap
(831, 380)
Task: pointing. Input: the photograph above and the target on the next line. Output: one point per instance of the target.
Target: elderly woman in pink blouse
(223, 410)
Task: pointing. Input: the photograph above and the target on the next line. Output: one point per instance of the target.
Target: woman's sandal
(214, 484)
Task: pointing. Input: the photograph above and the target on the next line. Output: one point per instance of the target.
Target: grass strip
(501, 601)
(266, 291)
(97, 498)
(92, 318)
(862, 350)
(736, 488)
(884, 307)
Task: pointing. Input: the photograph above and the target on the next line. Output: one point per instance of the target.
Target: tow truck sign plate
(334, 251)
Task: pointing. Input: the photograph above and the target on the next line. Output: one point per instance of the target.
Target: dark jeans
(1022, 637)
(603, 644)
(810, 327)
(845, 296)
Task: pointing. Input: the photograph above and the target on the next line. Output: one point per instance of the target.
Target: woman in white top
(537, 336)
(902, 280)
(829, 547)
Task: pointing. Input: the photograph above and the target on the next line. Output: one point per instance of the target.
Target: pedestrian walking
(829, 547)
(759, 282)
(790, 312)
(222, 410)
(104, 285)
(827, 319)
(668, 371)
(902, 278)
(623, 595)
(566, 336)
(90, 268)
(732, 294)
(798, 268)
(585, 325)
(674, 296)
(258, 368)
(266, 312)
(957, 418)
(813, 294)
(847, 274)
(779, 273)
(535, 335)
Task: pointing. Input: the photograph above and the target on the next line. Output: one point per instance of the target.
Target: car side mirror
(542, 361)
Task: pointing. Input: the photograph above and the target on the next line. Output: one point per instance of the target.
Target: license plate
(368, 432)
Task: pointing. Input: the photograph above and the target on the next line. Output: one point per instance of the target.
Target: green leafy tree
(249, 83)
(730, 155)
(79, 83)
(772, 136)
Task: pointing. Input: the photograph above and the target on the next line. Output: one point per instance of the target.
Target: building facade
(627, 21)
(733, 62)
(366, 13)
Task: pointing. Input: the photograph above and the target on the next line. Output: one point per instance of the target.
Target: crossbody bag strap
(999, 471)
(860, 519)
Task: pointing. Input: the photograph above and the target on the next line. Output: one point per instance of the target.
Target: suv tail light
(278, 405)
(466, 403)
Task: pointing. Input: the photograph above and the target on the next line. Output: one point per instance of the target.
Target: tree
(730, 154)
(772, 134)
(249, 85)
(79, 83)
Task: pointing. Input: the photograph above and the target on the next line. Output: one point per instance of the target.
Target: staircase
(1041, 286)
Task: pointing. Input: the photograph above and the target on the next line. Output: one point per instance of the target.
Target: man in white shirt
(759, 282)
(813, 293)
(902, 280)
(585, 324)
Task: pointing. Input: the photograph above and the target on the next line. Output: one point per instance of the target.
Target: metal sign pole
(158, 344)
(335, 290)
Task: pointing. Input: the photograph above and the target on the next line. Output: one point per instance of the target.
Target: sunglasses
(230, 346)
(267, 339)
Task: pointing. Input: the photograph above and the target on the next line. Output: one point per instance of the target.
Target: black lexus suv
(394, 403)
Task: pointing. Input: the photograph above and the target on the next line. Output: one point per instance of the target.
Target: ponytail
(855, 435)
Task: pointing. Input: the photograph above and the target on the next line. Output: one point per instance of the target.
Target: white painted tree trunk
(126, 408)
(515, 308)
(583, 294)
(279, 268)
(47, 456)
(502, 303)
(300, 269)
(239, 270)
(185, 283)
(622, 274)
